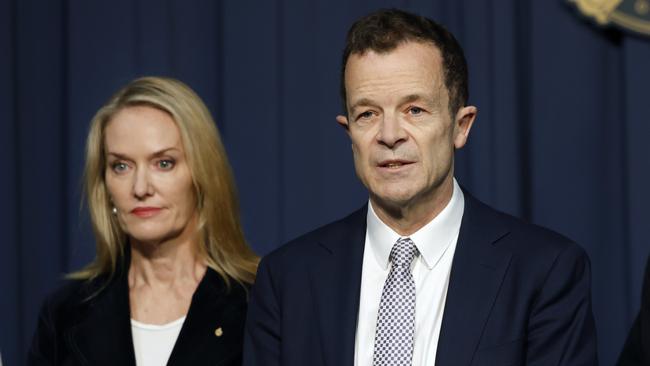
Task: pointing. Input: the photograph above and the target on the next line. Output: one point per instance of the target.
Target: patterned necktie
(396, 316)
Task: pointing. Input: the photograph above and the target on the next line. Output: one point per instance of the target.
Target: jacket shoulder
(519, 236)
(63, 304)
(304, 245)
(529, 236)
(57, 314)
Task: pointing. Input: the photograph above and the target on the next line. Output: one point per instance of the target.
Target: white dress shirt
(436, 242)
(153, 344)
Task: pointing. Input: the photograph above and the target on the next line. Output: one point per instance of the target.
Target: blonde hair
(223, 245)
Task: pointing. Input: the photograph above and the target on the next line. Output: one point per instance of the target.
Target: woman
(169, 282)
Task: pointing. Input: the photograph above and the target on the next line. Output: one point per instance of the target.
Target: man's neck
(407, 218)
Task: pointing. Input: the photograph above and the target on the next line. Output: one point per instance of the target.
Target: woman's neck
(162, 279)
(165, 264)
(173, 261)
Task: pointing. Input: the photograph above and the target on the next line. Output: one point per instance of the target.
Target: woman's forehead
(142, 129)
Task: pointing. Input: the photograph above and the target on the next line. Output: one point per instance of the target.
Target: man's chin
(392, 199)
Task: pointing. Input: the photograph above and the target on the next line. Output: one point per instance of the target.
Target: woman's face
(147, 175)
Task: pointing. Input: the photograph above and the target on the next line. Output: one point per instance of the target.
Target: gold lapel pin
(218, 332)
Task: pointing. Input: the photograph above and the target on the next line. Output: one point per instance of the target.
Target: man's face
(403, 136)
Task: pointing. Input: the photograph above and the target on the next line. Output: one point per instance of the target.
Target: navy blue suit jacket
(518, 295)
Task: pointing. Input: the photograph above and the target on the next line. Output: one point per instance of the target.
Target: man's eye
(415, 110)
(119, 167)
(365, 115)
(165, 164)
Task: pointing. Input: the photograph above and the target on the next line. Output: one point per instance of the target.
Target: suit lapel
(476, 276)
(336, 284)
(213, 329)
(101, 335)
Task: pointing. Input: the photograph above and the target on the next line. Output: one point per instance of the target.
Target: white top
(153, 344)
(436, 242)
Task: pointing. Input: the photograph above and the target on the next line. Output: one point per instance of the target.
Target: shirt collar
(432, 240)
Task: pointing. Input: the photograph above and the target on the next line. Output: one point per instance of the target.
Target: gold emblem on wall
(632, 15)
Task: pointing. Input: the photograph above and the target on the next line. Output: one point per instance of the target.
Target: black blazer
(636, 351)
(75, 330)
(518, 295)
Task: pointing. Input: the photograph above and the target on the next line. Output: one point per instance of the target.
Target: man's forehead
(413, 60)
(427, 49)
(413, 68)
(421, 57)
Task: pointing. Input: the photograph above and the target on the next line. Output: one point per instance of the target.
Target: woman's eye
(119, 167)
(166, 164)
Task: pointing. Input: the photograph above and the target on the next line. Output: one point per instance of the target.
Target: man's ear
(343, 122)
(463, 123)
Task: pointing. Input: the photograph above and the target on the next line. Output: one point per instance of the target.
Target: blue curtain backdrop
(561, 138)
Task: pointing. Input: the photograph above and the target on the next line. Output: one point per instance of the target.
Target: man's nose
(142, 183)
(391, 132)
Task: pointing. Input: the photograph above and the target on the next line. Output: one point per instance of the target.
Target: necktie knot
(403, 252)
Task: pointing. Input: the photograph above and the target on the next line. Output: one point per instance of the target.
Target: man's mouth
(394, 164)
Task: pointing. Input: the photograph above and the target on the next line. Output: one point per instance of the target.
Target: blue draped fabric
(561, 137)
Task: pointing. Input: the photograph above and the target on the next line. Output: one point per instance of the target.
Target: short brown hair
(384, 30)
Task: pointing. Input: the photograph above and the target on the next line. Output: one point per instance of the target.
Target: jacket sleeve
(561, 329)
(42, 351)
(262, 334)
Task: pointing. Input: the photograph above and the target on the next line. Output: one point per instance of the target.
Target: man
(424, 274)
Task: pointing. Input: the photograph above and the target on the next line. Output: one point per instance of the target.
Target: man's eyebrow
(412, 98)
(363, 102)
(407, 99)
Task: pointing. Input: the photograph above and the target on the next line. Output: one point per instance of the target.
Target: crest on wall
(633, 15)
